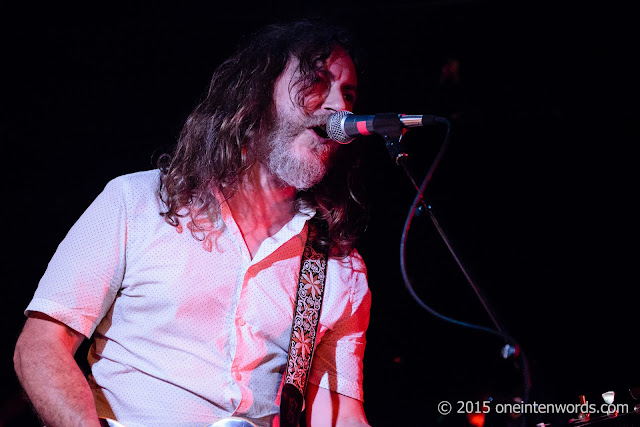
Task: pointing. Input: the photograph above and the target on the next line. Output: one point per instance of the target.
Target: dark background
(537, 190)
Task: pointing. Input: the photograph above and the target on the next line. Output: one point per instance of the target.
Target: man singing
(186, 276)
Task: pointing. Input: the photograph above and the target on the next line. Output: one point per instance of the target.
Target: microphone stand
(391, 129)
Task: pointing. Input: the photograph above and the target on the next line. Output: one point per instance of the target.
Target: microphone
(343, 126)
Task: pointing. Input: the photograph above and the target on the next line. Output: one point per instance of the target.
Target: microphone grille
(335, 128)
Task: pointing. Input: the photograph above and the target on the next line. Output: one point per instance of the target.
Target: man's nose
(335, 100)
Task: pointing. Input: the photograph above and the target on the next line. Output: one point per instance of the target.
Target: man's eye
(320, 84)
(349, 97)
(321, 78)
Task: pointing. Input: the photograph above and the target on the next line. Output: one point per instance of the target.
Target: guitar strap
(306, 314)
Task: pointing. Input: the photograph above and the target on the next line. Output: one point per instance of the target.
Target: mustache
(317, 121)
(289, 128)
(308, 122)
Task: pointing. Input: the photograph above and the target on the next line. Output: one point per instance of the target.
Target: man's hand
(326, 408)
(45, 366)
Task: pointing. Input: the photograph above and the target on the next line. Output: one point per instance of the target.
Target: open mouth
(320, 131)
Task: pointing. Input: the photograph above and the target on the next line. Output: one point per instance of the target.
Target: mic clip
(389, 126)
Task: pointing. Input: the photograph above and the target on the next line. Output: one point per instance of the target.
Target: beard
(301, 171)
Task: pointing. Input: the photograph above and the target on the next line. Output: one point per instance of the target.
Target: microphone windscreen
(335, 128)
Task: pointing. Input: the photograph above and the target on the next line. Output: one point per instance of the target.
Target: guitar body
(225, 422)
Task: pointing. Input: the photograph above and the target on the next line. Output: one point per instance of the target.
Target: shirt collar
(296, 226)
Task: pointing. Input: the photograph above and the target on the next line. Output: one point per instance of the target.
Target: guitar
(605, 413)
(224, 422)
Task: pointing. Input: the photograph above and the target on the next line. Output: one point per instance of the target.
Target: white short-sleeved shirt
(188, 330)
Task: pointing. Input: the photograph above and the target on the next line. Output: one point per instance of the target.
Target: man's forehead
(338, 58)
(340, 65)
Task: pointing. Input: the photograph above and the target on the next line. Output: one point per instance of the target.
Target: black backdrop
(536, 190)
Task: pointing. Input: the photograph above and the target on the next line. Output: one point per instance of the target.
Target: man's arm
(328, 408)
(47, 370)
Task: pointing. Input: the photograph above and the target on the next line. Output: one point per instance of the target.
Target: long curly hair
(220, 140)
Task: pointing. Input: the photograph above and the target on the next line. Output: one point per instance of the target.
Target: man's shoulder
(353, 260)
(138, 184)
(135, 189)
(138, 180)
(351, 269)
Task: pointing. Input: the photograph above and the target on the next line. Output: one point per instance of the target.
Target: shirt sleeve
(86, 271)
(337, 362)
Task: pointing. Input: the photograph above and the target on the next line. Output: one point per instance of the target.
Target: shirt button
(238, 376)
(241, 321)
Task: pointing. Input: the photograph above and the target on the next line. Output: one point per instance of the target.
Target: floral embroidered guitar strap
(306, 314)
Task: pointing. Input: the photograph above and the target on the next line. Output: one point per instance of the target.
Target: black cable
(419, 201)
